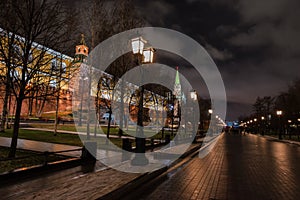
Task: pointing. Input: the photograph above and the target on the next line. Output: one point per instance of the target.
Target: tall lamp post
(262, 125)
(279, 114)
(194, 98)
(255, 125)
(82, 80)
(142, 56)
(210, 112)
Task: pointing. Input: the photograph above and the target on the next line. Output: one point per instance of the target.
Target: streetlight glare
(279, 112)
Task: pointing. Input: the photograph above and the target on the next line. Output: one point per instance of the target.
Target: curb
(7, 177)
(151, 179)
(270, 138)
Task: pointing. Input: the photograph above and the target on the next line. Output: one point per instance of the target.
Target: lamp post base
(139, 160)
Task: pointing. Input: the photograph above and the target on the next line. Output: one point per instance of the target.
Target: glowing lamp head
(137, 45)
(193, 95)
(148, 55)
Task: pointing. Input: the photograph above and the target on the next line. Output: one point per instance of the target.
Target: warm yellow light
(279, 112)
(210, 111)
(262, 118)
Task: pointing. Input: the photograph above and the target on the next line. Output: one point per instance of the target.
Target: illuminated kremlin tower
(178, 95)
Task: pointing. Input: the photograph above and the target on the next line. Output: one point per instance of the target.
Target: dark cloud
(255, 43)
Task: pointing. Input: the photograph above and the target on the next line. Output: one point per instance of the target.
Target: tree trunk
(56, 113)
(108, 124)
(14, 140)
(4, 109)
(88, 121)
(109, 117)
(121, 109)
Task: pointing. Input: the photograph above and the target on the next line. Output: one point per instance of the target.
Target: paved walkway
(239, 167)
(42, 146)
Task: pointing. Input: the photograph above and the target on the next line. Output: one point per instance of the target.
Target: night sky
(254, 43)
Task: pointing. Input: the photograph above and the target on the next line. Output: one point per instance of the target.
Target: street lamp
(279, 113)
(148, 54)
(138, 45)
(82, 80)
(263, 125)
(193, 95)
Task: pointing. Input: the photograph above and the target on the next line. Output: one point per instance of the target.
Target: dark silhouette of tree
(37, 25)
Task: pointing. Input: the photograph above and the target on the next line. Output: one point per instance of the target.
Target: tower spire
(82, 41)
(81, 50)
(177, 85)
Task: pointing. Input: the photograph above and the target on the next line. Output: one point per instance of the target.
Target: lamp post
(263, 125)
(145, 56)
(298, 129)
(210, 112)
(279, 114)
(193, 95)
(82, 85)
(289, 129)
(255, 125)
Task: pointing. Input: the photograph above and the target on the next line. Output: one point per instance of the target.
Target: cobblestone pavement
(239, 167)
(68, 184)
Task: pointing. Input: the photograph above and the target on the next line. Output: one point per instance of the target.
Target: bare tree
(104, 19)
(7, 44)
(38, 25)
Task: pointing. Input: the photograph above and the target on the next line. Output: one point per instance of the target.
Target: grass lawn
(60, 138)
(113, 131)
(44, 136)
(72, 127)
(73, 139)
(32, 158)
